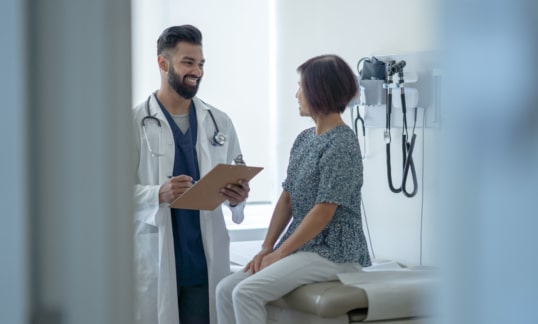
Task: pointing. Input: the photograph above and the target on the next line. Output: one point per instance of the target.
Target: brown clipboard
(205, 193)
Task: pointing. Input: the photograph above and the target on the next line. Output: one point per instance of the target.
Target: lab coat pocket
(146, 262)
(147, 256)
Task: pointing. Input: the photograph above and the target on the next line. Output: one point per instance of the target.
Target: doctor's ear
(162, 61)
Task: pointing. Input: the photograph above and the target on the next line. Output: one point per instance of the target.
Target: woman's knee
(223, 288)
(239, 294)
(226, 285)
(247, 291)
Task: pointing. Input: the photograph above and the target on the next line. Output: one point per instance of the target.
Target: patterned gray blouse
(328, 169)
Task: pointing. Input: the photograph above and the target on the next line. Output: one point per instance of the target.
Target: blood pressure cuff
(372, 69)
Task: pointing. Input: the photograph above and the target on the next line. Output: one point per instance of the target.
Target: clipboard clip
(239, 160)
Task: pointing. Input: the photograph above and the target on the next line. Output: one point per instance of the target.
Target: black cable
(359, 117)
(410, 163)
(389, 171)
(358, 66)
(387, 132)
(407, 147)
(422, 180)
(354, 121)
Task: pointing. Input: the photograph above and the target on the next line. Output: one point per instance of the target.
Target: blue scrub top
(191, 265)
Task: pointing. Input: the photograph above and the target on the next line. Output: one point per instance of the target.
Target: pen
(192, 181)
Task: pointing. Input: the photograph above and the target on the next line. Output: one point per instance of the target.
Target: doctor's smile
(191, 80)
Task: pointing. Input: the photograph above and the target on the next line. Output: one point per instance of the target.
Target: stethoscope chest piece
(218, 139)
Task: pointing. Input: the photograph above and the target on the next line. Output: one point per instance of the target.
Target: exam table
(399, 296)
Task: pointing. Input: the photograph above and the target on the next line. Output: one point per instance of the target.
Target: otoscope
(407, 148)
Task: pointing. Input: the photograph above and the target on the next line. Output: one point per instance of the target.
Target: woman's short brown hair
(328, 84)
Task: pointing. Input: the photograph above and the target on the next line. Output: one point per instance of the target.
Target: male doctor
(180, 254)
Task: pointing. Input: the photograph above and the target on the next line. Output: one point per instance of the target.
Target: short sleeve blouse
(327, 168)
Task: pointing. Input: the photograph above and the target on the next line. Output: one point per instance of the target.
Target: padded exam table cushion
(327, 299)
(371, 295)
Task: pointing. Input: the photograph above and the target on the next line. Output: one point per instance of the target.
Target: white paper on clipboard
(205, 194)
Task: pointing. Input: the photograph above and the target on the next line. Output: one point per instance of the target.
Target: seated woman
(321, 196)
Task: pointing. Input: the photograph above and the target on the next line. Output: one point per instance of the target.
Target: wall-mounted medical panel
(421, 85)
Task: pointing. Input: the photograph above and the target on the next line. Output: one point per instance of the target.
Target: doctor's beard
(176, 82)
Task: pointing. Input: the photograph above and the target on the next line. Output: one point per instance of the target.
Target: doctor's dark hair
(175, 34)
(328, 84)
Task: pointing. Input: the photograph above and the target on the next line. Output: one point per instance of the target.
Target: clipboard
(205, 193)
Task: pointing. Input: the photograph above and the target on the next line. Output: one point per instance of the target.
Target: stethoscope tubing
(218, 138)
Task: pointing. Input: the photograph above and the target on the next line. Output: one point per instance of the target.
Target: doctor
(180, 254)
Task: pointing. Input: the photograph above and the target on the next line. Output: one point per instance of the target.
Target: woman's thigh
(289, 273)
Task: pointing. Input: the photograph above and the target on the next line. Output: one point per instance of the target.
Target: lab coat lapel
(202, 144)
(166, 162)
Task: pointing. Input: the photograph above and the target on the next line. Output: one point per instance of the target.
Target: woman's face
(304, 108)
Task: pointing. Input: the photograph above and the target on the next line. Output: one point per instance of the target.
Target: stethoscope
(407, 147)
(218, 138)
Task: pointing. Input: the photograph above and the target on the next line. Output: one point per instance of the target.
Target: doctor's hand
(255, 264)
(235, 192)
(174, 188)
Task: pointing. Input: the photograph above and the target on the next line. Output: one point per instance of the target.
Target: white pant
(241, 297)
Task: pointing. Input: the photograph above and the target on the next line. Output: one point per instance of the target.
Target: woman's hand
(270, 259)
(263, 259)
(255, 264)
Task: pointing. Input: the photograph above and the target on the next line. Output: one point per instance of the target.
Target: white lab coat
(156, 292)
